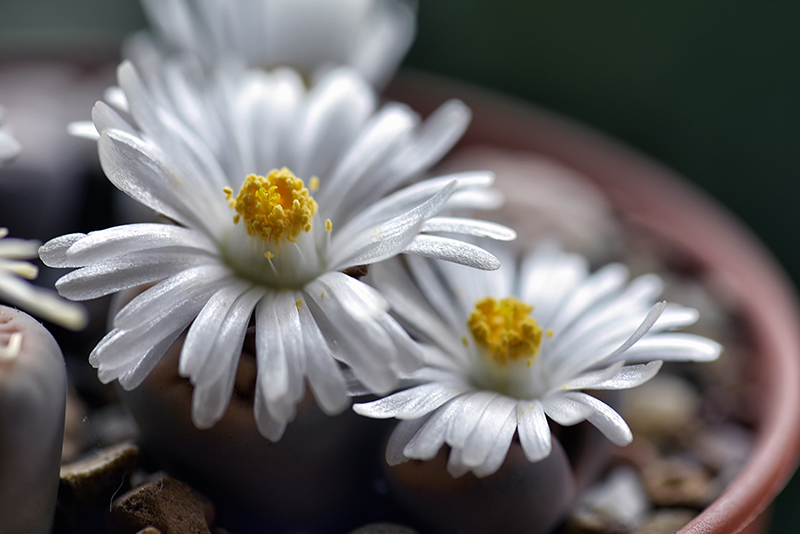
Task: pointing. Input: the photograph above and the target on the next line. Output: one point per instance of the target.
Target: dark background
(710, 88)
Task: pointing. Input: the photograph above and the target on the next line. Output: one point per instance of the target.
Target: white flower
(496, 368)
(14, 288)
(9, 147)
(371, 36)
(276, 248)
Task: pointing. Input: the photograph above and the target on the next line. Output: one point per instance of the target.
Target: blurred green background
(710, 88)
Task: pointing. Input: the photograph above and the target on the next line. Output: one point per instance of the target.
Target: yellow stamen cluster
(274, 208)
(505, 329)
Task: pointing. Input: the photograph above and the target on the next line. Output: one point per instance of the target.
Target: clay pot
(664, 205)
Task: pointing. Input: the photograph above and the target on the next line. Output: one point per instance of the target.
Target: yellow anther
(275, 208)
(297, 303)
(313, 184)
(328, 225)
(269, 255)
(465, 341)
(505, 329)
(228, 192)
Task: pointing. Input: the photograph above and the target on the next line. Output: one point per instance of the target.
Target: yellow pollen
(505, 329)
(274, 208)
(313, 184)
(297, 303)
(465, 341)
(328, 225)
(269, 255)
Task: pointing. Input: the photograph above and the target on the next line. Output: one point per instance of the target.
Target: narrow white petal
(54, 252)
(43, 303)
(630, 376)
(673, 347)
(389, 238)
(534, 432)
(409, 404)
(473, 227)
(564, 410)
(442, 248)
(487, 431)
(472, 407)
(106, 244)
(499, 450)
(327, 382)
(84, 130)
(429, 439)
(125, 272)
(607, 421)
(200, 340)
(401, 435)
(195, 283)
(267, 426)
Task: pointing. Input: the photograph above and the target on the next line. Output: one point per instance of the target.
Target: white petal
(409, 404)
(160, 300)
(429, 439)
(335, 111)
(54, 252)
(673, 347)
(487, 431)
(607, 421)
(202, 335)
(564, 410)
(382, 134)
(401, 435)
(471, 409)
(389, 238)
(473, 227)
(534, 432)
(326, 379)
(105, 244)
(499, 450)
(442, 248)
(125, 272)
(214, 385)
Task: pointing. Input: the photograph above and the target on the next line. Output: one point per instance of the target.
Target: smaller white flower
(514, 348)
(372, 36)
(39, 301)
(9, 147)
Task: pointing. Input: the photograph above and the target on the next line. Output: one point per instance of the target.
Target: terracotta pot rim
(684, 216)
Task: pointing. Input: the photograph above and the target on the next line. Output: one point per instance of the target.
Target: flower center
(274, 208)
(505, 329)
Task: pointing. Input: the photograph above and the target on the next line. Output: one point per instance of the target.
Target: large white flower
(371, 36)
(14, 288)
(275, 190)
(513, 346)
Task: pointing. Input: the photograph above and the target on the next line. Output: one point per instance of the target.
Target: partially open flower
(275, 190)
(515, 346)
(371, 36)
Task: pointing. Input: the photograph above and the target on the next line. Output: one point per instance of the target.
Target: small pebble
(617, 504)
(679, 482)
(98, 476)
(164, 503)
(149, 530)
(665, 406)
(384, 528)
(667, 521)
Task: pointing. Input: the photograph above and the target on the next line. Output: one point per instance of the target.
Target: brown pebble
(163, 503)
(149, 530)
(667, 521)
(384, 528)
(678, 482)
(98, 476)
